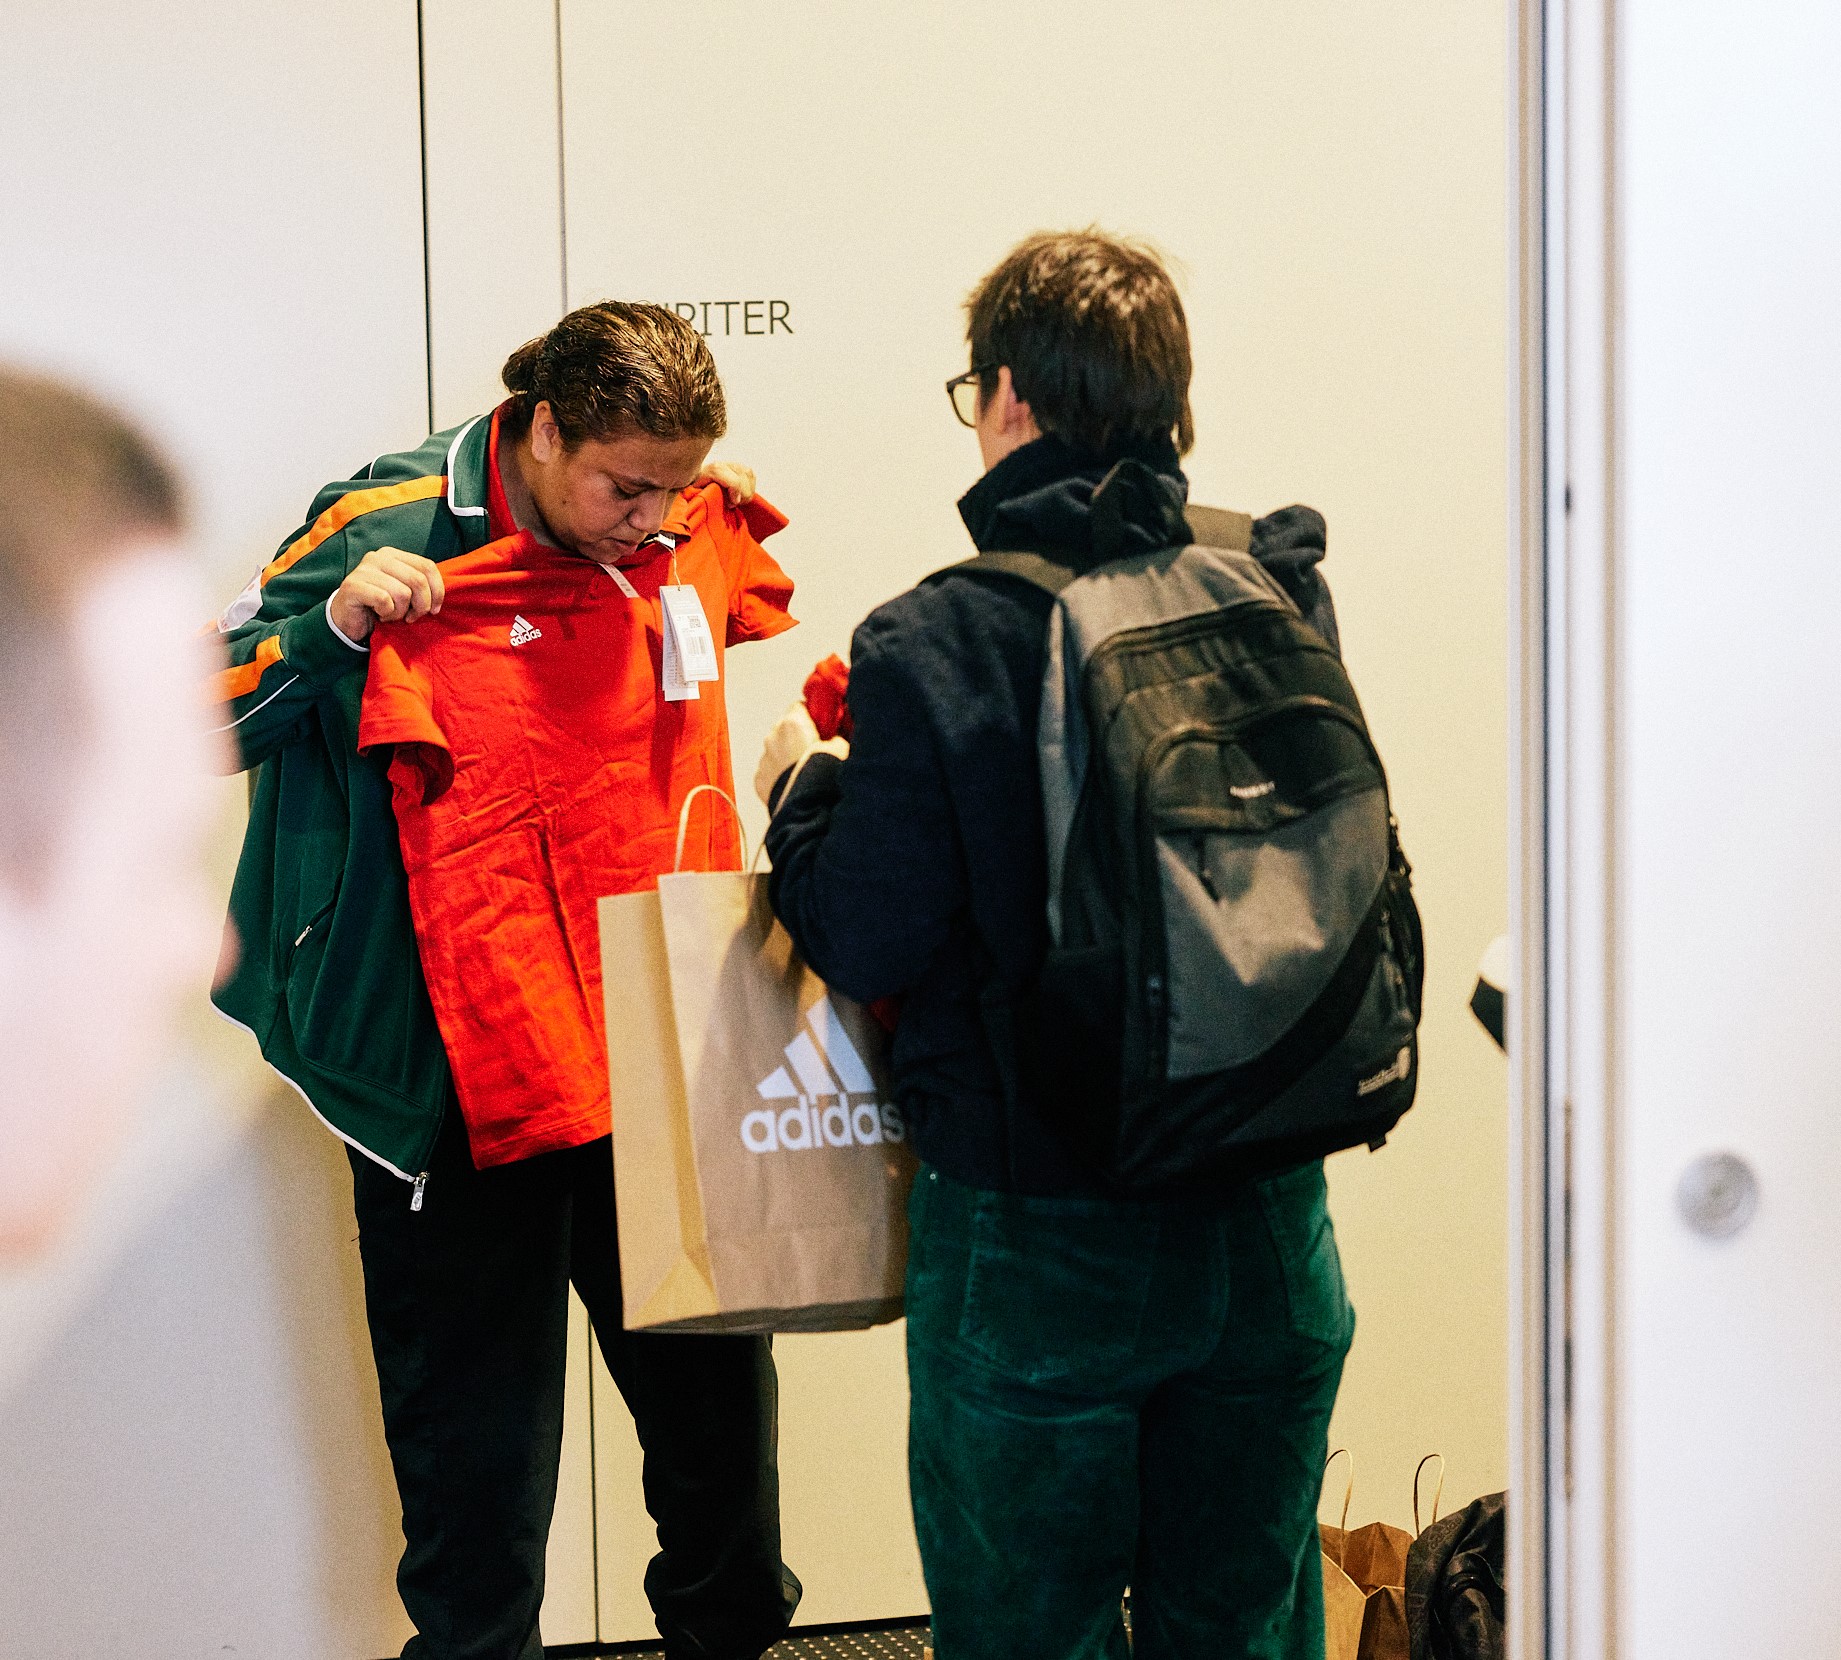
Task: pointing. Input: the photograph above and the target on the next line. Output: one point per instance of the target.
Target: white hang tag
(621, 582)
(688, 629)
(678, 687)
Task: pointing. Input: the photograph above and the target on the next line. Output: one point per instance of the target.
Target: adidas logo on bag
(832, 1093)
(523, 632)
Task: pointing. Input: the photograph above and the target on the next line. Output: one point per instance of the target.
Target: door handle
(1717, 1195)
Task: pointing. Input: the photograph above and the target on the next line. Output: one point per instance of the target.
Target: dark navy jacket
(918, 865)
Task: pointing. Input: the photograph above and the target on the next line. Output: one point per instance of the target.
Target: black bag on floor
(1454, 1592)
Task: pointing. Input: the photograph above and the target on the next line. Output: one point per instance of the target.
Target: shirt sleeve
(283, 651)
(868, 872)
(399, 714)
(759, 591)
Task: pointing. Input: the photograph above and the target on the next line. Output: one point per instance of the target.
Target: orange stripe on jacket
(245, 677)
(348, 507)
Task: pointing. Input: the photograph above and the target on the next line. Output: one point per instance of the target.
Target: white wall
(212, 214)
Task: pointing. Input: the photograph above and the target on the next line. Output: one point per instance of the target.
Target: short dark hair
(618, 367)
(1093, 333)
(76, 481)
(78, 485)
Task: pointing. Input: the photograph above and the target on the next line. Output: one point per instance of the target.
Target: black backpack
(1234, 977)
(1456, 1604)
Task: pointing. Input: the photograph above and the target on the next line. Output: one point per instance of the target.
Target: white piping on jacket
(258, 710)
(453, 450)
(232, 1019)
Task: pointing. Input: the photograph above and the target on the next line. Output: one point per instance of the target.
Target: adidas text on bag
(834, 1099)
(1233, 980)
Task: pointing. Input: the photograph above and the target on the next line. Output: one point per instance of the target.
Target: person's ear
(1015, 419)
(546, 435)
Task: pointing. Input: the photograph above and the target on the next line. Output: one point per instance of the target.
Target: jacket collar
(1050, 498)
(466, 471)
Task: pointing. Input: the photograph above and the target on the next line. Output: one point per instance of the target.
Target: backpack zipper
(421, 1184)
(1132, 642)
(1139, 642)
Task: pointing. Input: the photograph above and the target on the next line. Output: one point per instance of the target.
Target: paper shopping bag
(1384, 1635)
(1372, 1559)
(760, 1166)
(1343, 1608)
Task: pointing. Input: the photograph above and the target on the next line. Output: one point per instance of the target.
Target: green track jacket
(329, 978)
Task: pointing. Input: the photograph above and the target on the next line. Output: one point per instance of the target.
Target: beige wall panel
(494, 191)
(569, 1583)
(1329, 180)
(213, 214)
(848, 1532)
(625, 1540)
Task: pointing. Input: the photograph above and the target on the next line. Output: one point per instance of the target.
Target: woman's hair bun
(520, 371)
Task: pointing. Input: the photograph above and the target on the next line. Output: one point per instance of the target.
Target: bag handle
(1438, 1492)
(1348, 1493)
(677, 862)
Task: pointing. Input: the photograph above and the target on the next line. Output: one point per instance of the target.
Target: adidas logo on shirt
(832, 1093)
(522, 632)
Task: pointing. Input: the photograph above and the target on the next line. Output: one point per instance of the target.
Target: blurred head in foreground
(106, 920)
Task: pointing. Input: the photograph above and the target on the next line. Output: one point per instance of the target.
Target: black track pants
(467, 1301)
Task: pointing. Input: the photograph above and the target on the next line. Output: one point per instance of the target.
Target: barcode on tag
(678, 686)
(688, 630)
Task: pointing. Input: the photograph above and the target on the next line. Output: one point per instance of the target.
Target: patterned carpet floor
(903, 1642)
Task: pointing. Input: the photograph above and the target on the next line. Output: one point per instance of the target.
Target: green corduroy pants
(1111, 1393)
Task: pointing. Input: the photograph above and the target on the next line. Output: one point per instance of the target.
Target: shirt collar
(499, 519)
(466, 468)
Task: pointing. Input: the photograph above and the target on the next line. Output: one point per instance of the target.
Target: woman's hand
(794, 737)
(736, 480)
(387, 585)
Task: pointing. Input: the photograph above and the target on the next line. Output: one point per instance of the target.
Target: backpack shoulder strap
(1036, 569)
(1218, 527)
(1209, 527)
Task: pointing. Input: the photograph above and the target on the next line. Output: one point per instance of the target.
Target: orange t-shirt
(537, 767)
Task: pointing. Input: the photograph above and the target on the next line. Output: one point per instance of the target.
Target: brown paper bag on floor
(1384, 1625)
(1373, 1559)
(1343, 1609)
(760, 1167)
(1375, 1555)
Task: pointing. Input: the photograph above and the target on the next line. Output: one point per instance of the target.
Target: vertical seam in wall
(428, 308)
(562, 167)
(594, 1486)
(1534, 1377)
(1615, 861)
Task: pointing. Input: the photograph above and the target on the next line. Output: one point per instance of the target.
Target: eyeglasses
(964, 391)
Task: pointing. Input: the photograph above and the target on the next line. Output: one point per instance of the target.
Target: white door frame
(1565, 655)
